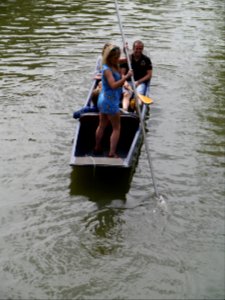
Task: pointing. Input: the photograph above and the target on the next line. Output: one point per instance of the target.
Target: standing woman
(109, 98)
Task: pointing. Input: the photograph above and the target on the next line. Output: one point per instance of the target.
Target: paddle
(145, 99)
(137, 106)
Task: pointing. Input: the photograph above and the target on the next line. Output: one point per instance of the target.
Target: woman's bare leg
(103, 121)
(115, 121)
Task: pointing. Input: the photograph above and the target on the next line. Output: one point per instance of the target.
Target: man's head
(138, 47)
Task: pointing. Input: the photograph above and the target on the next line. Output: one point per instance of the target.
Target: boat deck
(98, 161)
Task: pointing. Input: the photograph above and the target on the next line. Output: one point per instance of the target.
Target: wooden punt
(84, 139)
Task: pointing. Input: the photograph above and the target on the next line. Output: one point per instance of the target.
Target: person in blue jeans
(110, 98)
(142, 68)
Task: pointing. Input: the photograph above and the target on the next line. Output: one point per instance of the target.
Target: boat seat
(84, 117)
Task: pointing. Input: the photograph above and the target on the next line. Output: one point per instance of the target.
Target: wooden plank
(98, 161)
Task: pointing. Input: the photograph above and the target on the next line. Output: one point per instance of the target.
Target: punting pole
(137, 104)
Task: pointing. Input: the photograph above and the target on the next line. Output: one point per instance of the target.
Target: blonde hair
(108, 53)
(105, 47)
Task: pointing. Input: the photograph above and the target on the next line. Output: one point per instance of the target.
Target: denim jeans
(142, 88)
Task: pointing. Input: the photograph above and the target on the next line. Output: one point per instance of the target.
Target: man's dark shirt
(139, 67)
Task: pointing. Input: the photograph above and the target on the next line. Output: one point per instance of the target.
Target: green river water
(64, 235)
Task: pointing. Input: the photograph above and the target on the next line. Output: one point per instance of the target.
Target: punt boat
(129, 144)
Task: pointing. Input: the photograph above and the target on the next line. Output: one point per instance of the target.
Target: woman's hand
(98, 76)
(129, 74)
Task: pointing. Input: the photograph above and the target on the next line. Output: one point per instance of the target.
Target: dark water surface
(63, 234)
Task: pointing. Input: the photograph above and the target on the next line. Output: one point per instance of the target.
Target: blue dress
(109, 99)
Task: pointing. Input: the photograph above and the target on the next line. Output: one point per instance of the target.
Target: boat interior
(88, 126)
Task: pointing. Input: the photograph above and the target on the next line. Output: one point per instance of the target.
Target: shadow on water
(101, 185)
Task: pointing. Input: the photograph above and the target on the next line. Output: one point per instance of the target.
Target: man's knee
(141, 89)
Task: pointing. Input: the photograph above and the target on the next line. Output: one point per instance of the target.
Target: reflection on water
(107, 189)
(105, 226)
(100, 185)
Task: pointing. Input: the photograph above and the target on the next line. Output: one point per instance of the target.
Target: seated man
(142, 68)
